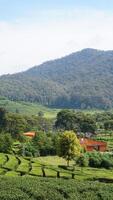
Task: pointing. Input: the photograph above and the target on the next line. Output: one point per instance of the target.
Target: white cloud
(27, 43)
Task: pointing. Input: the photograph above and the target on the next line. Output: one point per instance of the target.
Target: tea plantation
(28, 188)
(44, 178)
(49, 166)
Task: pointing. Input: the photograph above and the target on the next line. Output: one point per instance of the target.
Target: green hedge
(28, 188)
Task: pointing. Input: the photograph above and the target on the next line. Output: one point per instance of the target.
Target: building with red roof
(91, 145)
(30, 134)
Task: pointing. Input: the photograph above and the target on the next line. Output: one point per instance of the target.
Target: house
(91, 145)
(30, 134)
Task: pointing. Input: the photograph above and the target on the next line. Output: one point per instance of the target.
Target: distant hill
(27, 108)
(81, 80)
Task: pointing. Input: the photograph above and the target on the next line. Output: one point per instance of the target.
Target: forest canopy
(81, 80)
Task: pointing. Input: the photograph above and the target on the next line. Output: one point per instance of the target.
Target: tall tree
(5, 143)
(66, 120)
(3, 120)
(88, 124)
(68, 146)
(76, 121)
(108, 125)
(43, 142)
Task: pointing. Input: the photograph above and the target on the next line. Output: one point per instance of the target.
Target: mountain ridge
(83, 79)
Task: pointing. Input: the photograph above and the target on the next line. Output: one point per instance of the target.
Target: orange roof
(89, 142)
(29, 134)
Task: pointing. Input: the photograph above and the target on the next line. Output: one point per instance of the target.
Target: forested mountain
(81, 80)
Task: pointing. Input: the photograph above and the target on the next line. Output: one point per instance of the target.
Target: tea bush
(28, 188)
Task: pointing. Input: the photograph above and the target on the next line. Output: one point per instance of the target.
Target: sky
(34, 31)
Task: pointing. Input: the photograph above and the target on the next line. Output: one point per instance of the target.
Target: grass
(90, 173)
(50, 172)
(51, 160)
(12, 173)
(12, 163)
(2, 171)
(36, 169)
(24, 166)
(51, 167)
(27, 108)
(2, 159)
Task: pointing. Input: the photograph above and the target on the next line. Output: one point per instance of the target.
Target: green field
(23, 179)
(11, 165)
(27, 108)
(28, 188)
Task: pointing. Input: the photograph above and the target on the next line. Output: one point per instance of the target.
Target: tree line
(57, 137)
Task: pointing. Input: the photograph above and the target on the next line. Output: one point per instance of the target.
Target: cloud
(28, 42)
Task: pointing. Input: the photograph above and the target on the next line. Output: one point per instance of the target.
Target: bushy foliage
(96, 160)
(15, 124)
(83, 161)
(3, 121)
(108, 125)
(5, 142)
(27, 188)
(77, 121)
(27, 149)
(107, 162)
(68, 145)
(44, 143)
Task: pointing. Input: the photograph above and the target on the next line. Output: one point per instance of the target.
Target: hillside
(27, 108)
(81, 80)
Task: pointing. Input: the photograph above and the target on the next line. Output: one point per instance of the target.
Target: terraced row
(11, 165)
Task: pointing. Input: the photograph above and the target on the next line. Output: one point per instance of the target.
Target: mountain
(80, 80)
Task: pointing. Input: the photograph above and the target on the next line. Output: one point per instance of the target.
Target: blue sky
(12, 9)
(33, 31)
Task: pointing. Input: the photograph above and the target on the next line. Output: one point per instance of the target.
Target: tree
(43, 143)
(68, 146)
(2, 119)
(66, 120)
(15, 124)
(76, 121)
(44, 124)
(108, 125)
(27, 149)
(88, 124)
(5, 143)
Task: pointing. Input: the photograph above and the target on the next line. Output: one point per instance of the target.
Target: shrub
(5, 142)
(63, 166)
(94, 162)
(27, 188)
(29, 150)
(95, 159)
(106, 163)
(83, 161)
